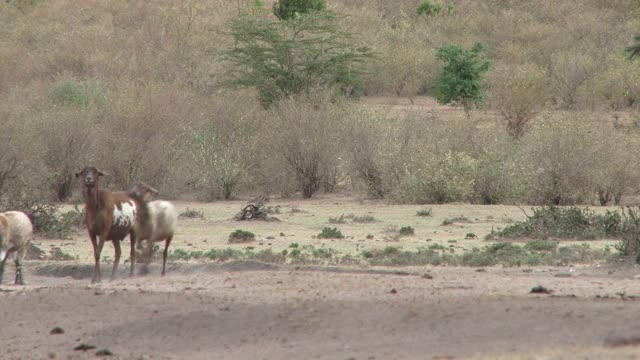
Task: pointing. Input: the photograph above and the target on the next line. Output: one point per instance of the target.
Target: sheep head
(143, 191)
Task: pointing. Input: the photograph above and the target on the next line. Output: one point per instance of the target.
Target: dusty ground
(243, 310)
(256, 311)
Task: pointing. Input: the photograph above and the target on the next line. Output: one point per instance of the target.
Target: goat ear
(102, 173)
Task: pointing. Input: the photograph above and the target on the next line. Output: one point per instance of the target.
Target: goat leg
(132, 255)
(97, 249)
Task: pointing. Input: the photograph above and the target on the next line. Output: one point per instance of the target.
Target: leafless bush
(303, 139)
(519, 92)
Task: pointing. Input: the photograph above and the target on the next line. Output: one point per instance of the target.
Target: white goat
(162, 224)
(15, 233)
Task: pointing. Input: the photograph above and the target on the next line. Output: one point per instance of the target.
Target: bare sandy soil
(258, 311)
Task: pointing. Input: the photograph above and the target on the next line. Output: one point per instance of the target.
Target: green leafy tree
(289, 58)
(291, 9)
(634, 50)
(462, 79)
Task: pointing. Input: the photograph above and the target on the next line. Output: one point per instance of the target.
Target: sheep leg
(2, 267)
(116, 261)
(165, 253)
(148, 251)
(19, 257)
(97, 249)
(132, 256)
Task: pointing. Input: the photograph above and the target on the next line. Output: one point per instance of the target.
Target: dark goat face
(90, 176)
(143, 191)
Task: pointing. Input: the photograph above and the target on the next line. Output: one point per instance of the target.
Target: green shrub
(429, 8)
(407, 231)
(455, 219)
(541, 245)
(71, 92)
(291, 9)
(564, 223)
(190, 213)
(364, 219)
(424, 212)
(462, 79)
(241, 236)
(330, 233)
(337, 220)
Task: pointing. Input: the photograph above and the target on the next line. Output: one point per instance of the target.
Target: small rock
(393, 291)
(56, 330)
(637, 276)
(540, 290)
(618, 341)
(427, 276)
(270, 238)
(563, 274)
(481, 270)
(84, 347)
(104, 352)
(98, 292)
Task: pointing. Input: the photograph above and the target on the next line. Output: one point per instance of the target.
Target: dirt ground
(246, 310)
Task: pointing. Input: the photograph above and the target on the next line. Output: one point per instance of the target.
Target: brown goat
(110, 216)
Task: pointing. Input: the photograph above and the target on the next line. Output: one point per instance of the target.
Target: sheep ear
(150, 189)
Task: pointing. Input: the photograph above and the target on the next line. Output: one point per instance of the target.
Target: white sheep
(163, 218)
(16, 231)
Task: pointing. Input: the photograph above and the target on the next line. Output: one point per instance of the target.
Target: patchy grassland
(302, 221)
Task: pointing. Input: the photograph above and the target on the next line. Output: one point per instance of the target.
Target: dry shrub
(570, 72)
(618, 86)
(571, 157)
(366, 148)
(216, 153)
(519, 93)
(137, 141)
(301, 140)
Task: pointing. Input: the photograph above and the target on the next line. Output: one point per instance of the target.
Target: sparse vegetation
(407, 231)
(424, 212)
(190, 213)
(565, 223)
(58, 254)
(241, 236)
(337, 220)
(364, 219)
(455, 219)
(330, 233)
